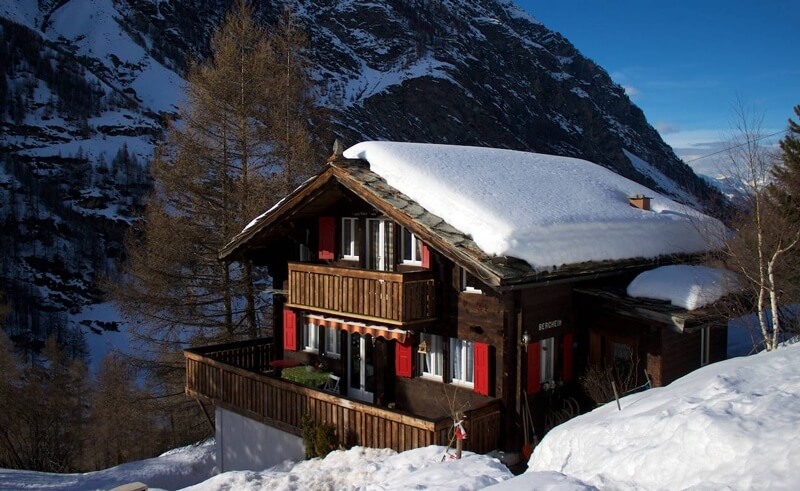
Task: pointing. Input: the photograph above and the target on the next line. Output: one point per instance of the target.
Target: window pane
(547, 359)
(312, 343)
(332, 342)
(417, 249)
(469, 364)
(407, 246)
(346, 234)
(431, 363)
(355, 236)
(461, 354)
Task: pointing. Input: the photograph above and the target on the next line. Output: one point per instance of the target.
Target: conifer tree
(242, 142)
(785, 200)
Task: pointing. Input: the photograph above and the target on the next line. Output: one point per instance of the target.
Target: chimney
(640, 201)
(338, 151)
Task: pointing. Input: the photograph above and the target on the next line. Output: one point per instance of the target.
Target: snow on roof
(543, 209)
(690, 287)
(728, 425)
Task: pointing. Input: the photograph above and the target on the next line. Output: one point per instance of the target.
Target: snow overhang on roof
(509, 217)
(546, 210)
(690, 287)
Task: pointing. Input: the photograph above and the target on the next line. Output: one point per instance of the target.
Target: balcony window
(431, 359)
(310, 337)
(350, 239)
(462, 364)
(412, 248)
(333, 343)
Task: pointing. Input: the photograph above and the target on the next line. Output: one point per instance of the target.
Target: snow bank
(370, 469)
(544, 209)
(172, 470)
(731, 425)
(686, 286)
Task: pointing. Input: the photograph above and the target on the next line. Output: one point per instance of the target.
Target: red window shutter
(426, 256)
(327, 237)
(534, 384)
(482, 368)
(567, 369)
(289, 330)
(402, 359)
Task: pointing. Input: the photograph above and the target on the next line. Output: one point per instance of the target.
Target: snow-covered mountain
(88, 85)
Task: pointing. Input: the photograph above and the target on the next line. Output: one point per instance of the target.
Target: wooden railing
(393, 298)
(282, 404)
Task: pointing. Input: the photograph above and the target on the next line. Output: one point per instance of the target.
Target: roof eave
(232, 250)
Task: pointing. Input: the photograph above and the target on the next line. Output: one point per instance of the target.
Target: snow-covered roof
(546, 210)
(690, 287)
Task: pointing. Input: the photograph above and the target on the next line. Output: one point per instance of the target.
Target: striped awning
(399, 335)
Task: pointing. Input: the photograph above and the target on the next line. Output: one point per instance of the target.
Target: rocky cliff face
(87, 85)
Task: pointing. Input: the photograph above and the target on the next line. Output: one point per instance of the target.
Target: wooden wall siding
(481, 318)
(546, 304)
(282, 404)
(680, 354)
(393, 298)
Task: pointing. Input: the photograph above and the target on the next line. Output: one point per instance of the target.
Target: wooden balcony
(232, 376)
(393, 298)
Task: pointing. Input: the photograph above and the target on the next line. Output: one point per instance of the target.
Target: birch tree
(766, 232)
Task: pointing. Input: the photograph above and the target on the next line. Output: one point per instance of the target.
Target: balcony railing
(392, 298)
(232, 377)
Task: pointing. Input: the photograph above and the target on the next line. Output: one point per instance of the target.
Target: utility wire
(734, 146)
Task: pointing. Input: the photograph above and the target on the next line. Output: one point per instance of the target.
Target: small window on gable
(310, 337)
(462, 362)
(431, 356)
(350, 238)
(333, 343)
(469, 283)
(412, 248)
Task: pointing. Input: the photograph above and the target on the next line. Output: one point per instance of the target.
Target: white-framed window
(462, 365)
(333, 343)
(547, 360)
(310, 337)
(350, 238)
(431, 362)
(705, 346)
(412, 248)
(469, 283)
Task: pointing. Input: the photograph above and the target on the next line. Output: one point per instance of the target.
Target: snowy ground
(173, 470)
(730, 425)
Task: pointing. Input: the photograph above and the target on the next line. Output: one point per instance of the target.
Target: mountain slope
(89, 84)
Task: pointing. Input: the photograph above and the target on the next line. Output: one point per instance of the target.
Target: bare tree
(764, 233)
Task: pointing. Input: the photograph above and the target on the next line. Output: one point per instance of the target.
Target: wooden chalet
(413, 320)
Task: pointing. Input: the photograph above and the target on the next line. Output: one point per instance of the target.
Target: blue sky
(686, 64)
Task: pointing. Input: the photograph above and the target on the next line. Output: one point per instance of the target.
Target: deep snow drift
(733, 425)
